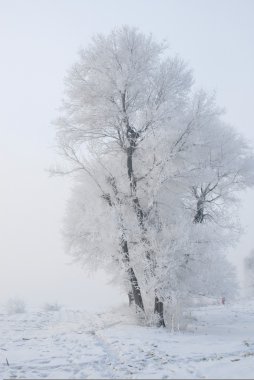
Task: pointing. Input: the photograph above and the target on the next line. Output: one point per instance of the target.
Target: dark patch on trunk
(130, 297)
(199, 217)
(133, 279)
(159, 311)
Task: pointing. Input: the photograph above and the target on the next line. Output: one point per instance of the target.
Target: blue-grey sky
(39, 40)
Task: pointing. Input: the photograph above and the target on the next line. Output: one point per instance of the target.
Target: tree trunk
(130, 297)
(132, 277)
(132, 137)
(159, 311)
(158, 305)
(199, 216)
(136, 292)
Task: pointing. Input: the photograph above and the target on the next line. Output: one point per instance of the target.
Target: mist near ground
(39, 41)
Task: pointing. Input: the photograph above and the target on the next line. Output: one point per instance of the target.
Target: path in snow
(73, 344)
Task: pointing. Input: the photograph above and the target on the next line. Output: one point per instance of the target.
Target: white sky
(39, 40)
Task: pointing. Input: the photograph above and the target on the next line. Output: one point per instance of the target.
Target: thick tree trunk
(132, 137)
(135, 289)
(158, 305)
(159, 311)
(132, 277)
(199, 216)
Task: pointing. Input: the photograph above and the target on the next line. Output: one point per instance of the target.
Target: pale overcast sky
(39, 40)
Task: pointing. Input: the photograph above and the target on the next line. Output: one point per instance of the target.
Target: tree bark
(133, 279)
(159, 311)
(158, 305)
(132, 137)
(130, 297)
(199, 216)
(136, 292)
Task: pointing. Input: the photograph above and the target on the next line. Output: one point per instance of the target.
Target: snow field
(218, 343)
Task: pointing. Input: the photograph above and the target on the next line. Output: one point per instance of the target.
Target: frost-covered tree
(156, 169)
(119, 92)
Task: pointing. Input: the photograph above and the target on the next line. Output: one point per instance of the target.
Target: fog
(39, 41)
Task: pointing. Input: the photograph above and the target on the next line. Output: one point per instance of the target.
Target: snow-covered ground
(218, 343)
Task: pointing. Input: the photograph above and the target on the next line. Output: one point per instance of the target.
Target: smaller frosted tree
(249, 273)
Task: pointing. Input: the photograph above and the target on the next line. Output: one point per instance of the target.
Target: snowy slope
(74, 344)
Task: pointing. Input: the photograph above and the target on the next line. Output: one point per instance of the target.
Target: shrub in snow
(52, 306)
(15, 306)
